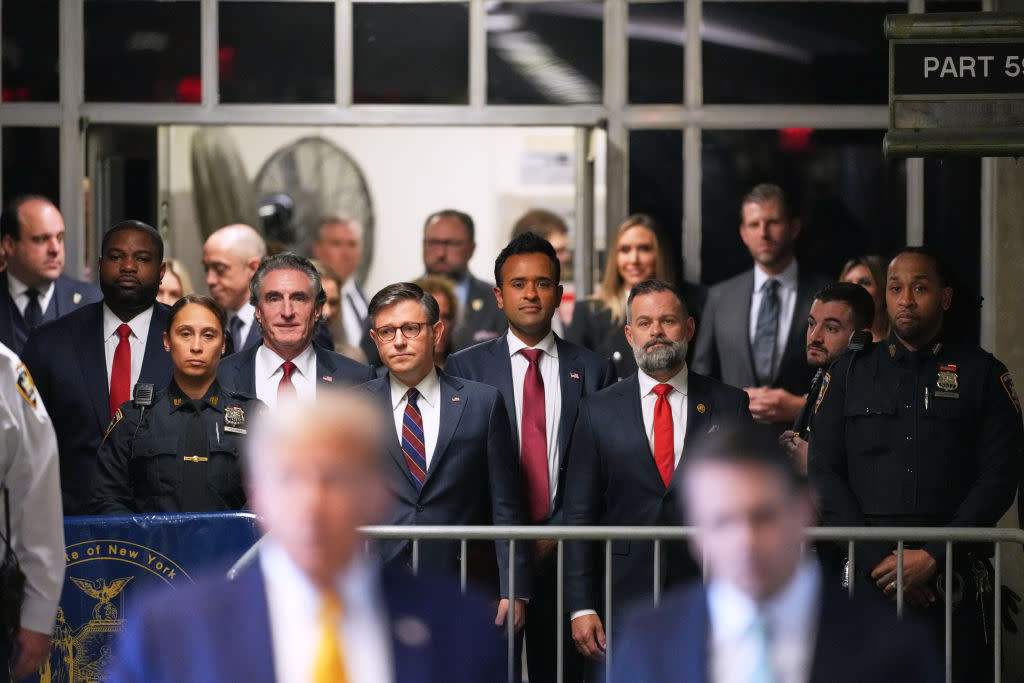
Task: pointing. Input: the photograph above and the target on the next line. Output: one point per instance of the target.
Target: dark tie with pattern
(413, 441)
(33, 311)
(236, 333)
(766, 332)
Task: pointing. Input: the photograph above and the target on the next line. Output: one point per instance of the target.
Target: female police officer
(181, 450)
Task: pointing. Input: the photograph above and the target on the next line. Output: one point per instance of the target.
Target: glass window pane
(656, 32)
(952, 227)
(656, 185)
(152, 47)
(292, 63)
(30, 51)
(850, 198)
(544, 52)
(31, 162)
(412, 54)
(795, 52)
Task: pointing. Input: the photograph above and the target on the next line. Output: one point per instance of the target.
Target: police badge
(947, 383)
(234, 420)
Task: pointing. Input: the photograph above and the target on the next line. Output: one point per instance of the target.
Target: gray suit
(723, 341)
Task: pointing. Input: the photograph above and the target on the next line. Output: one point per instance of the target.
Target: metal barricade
(658, 535)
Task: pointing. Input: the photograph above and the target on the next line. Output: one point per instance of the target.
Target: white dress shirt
(549, 374)
(787, 303)
(676, 401)
(137, 341)
(19, 294)
(269, 373)
(293, 604)
(429, 404)
(792, 616)
(353, 312)
(29, 469)
(247, 314)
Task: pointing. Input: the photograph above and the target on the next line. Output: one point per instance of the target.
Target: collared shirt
(429, 404)
(247, 314)
(293, 603)
(792, 616)
(19, 294)
(29, 463)
(137, 340)
(787, 280)
(269, 373)
(549, 373)
(462, 288)
(677, 401)
(353, 312)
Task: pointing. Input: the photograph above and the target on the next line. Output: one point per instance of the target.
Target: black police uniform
(178, 455)
(926, 438)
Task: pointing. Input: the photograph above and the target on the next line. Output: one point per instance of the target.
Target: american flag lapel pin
(455, 399)
(328, 378)
(574, 375)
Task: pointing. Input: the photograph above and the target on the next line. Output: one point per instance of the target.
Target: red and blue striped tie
(412, 439)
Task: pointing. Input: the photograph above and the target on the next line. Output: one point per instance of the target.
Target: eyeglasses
(437, 245)
(409, 331)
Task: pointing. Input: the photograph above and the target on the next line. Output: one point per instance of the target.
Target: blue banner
(111, 561)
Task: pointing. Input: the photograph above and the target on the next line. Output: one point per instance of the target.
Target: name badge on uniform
(947, 384)
(234, 420)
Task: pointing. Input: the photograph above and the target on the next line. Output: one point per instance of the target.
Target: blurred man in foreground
(313, 607)
(765, 614)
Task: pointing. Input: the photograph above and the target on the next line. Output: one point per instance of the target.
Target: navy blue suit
(220, 631)
(857, 641)
(68, 363)
(581, 372)
(238, 371)
(472, 479)
(613, 480)
(68, 295)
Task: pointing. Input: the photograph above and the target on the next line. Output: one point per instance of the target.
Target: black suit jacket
(857, 641)
(473, 478)
(581, 373)
(68, 295)
(480, 319)
(238, 371)
(723, 339)
(613, 480)
(68, 363)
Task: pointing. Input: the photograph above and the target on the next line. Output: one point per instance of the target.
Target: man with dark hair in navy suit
(33, 289)
(451, 455)
(288, 296)
(766, 613)
(314, 607)
(86, 363)
(541, 379)
(624, 456)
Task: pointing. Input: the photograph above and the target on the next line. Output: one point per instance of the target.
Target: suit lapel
(571, 380)
(254, 612)
(699, 419)
(740, 320)
(92, 360)
(451, 409)
(9, 315)
(629, 389)
(797, 340)
(503, 363)
(694, 643)
(325, 367)
(409, 632)
(381, 388)
(156, 362)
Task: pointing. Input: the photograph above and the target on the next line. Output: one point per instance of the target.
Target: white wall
(410, 173)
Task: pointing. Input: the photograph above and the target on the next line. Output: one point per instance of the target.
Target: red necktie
(414, 438)
(664, 447)
(121, 370)
(534, 438)
(285, 388)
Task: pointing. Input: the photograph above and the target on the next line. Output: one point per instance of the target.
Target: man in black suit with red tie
(623, 458)
(86, 363)
(542, 379)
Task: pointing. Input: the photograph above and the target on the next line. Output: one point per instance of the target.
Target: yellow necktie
(329, 666)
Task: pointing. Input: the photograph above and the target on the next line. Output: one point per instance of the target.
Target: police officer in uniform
(182, 452)
(912, 431)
